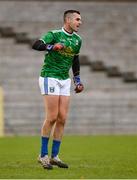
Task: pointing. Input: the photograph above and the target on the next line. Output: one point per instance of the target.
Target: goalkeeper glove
(79, 86)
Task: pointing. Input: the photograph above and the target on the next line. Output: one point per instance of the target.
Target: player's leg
(50, 90)
(51, 104)
(51, 113)
(59, 130)
(62, 116)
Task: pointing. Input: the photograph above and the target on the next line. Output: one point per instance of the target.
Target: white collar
(66, 32)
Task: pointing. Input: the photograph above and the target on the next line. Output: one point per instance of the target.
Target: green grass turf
(89, 157)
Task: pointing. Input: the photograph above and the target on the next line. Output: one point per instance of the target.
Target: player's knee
(51, 120)
(61, 119)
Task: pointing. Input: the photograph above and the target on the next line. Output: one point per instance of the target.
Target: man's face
(75, 21)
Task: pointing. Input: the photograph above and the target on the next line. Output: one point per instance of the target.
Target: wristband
(49, 47)
(76, 80)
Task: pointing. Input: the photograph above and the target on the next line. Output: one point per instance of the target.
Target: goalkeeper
(62, 49)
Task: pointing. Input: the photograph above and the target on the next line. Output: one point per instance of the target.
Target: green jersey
(57, 63)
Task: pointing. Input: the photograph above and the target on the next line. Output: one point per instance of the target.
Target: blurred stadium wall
(108, 66)
(1, 114)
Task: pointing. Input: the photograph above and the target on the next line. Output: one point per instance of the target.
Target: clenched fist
(58, 47)
(79, 88)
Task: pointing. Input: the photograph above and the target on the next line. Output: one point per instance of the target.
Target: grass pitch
(89, 157)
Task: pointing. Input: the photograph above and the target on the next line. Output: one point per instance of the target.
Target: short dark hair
(71, 11)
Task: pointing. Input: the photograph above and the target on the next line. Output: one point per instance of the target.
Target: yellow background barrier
(1, 113)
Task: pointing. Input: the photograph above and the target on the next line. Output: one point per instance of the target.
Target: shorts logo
(52, 89)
